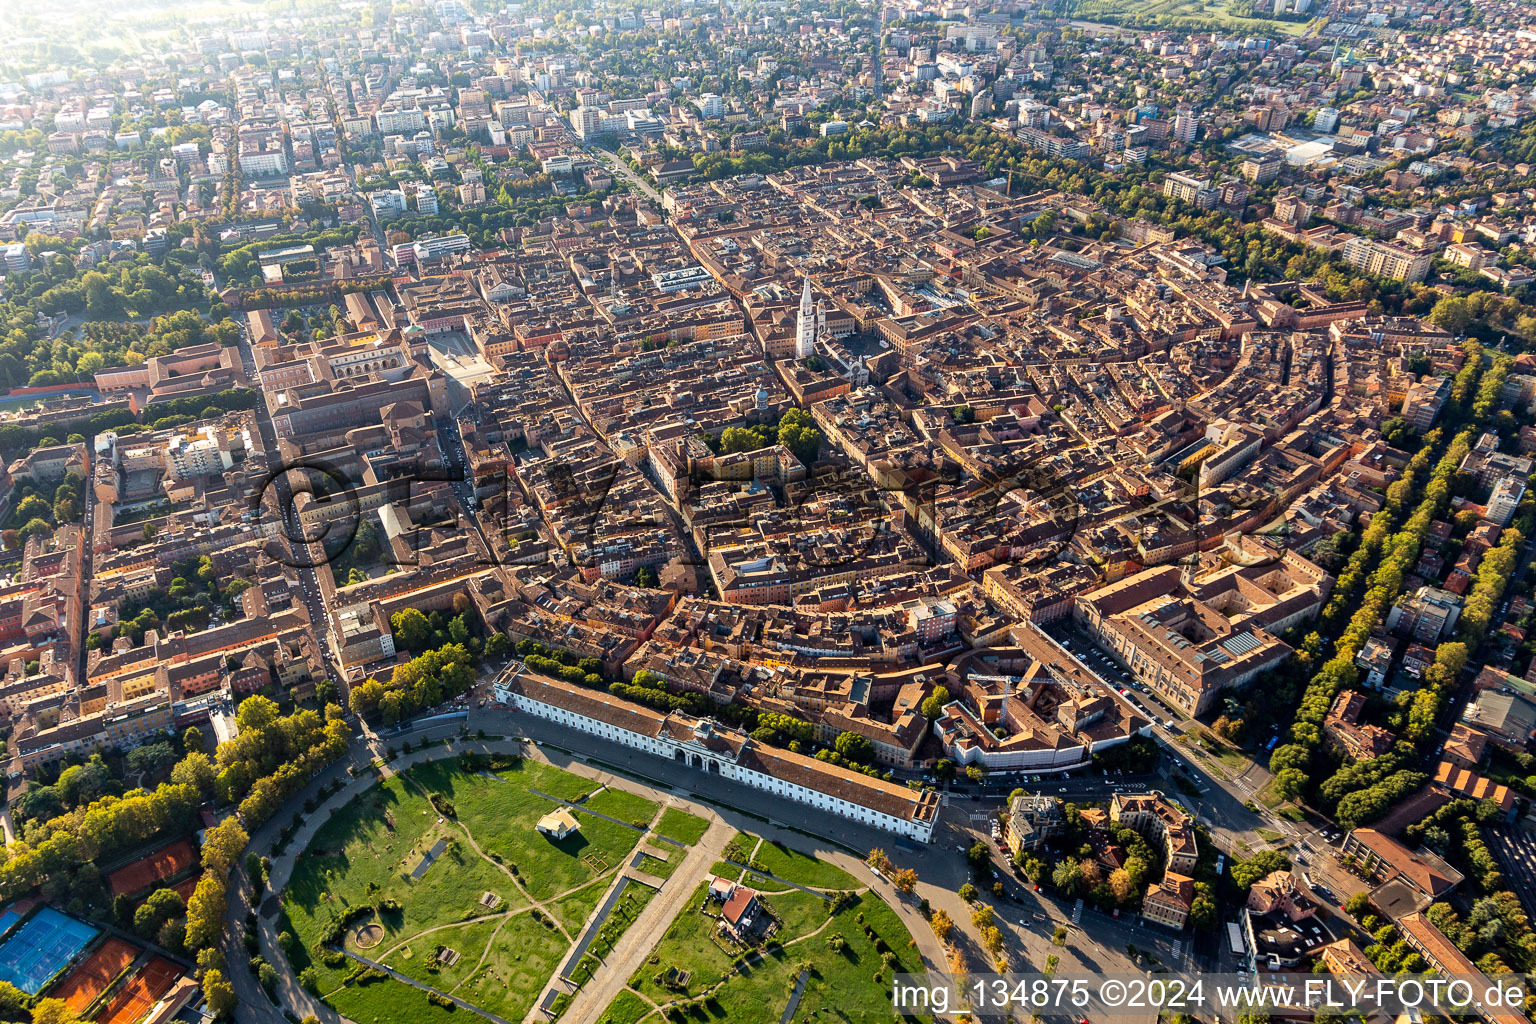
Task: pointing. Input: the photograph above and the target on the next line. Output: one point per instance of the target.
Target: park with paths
(434, 893)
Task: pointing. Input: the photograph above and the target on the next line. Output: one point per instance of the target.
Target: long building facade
(715, 749)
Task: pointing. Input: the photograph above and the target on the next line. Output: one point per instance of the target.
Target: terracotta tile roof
(1448, 960)
(1470, 784)
(796, 769)
(1420, 868)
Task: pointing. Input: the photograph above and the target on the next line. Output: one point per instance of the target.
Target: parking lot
(1143, 700)
(1515, 850)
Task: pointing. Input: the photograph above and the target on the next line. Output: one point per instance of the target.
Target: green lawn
(662, 868)
(502, 815)
(367, 851)
(389, 1002)
(624, 805)
(726, 870)
(628, 1008)
(794, 866)
(378, 839)
(410, 958)
(855, 977)
(679, 825)
(522, 958)
(799, 913)
(572, 911)
(740, 846)
(1268, 797)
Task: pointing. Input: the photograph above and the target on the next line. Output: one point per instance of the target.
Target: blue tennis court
(41, 948)
(8, 918)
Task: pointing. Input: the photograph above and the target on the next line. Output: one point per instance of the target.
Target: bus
(1271, 745)
(1221, 862)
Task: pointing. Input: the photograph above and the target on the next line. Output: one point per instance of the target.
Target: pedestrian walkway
(615, 970)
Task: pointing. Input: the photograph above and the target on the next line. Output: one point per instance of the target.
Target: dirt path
(613, 974)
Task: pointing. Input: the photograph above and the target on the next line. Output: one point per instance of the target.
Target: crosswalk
(1077, 911)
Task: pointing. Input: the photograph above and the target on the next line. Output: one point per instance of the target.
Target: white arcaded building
(730, 753)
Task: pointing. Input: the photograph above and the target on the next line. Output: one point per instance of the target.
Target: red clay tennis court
(89, 980)
(186, 887)
(141, 992)
(143, 873)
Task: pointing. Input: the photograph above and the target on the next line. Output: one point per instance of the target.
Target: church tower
(805, 324)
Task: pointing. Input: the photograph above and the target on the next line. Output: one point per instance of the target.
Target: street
(940, 865)
(297, 555)
(623, 170)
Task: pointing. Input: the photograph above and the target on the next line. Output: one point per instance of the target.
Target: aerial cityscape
(757, 511)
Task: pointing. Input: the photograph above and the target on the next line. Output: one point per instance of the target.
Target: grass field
(661, 868)
(388, 1001)
(519, 961)
(501, 815)
(572, 911)
(682, 827)
(855, 977)
(628, 1008)
(793, 866)
(624, 805)
(377, 840)
(412, 956)
(366, 853)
